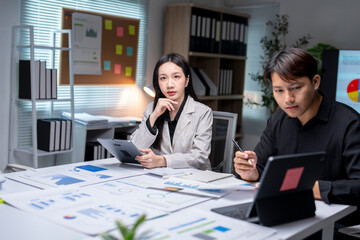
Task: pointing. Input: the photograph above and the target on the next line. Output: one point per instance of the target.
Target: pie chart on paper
(353, 90)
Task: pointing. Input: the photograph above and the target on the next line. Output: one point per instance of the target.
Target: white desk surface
(325, 217)
(16, 224)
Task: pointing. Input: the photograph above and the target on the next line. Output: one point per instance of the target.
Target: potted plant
(127, 233)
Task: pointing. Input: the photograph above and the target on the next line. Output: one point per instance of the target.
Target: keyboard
(238, 211)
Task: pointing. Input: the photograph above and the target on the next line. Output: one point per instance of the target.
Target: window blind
(45, 16)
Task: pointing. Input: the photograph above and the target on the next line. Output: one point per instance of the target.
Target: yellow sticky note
(128, 71)
(131, 30)
(119, 49)
(108, 24)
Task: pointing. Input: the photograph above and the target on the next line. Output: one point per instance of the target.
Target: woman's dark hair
(290, 64)
(189, 90)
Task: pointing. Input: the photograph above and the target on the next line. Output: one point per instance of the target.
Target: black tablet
(123, 150)
(285, 192)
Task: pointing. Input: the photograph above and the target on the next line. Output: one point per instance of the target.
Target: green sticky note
(107, 65)
(108, 24)
(129, 51)
(119, 49)
(128, 71)
(131, 30)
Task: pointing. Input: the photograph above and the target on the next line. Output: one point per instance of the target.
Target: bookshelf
(213, 40)
(24, 143)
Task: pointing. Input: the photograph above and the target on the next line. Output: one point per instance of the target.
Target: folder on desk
(206, 176)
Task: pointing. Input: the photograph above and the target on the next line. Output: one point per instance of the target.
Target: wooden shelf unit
(177, 39)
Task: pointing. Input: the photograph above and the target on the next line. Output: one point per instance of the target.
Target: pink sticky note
(117, 68)
(291, 179)
(120, 31)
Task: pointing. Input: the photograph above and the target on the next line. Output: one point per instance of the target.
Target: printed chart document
(76, 174)
(86, 36)
(214, 189)
(135, 189)
(88, 210)
(201, 224)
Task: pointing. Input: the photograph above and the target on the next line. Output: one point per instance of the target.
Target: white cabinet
(23, 139)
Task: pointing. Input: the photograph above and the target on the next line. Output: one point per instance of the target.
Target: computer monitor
(341, 76)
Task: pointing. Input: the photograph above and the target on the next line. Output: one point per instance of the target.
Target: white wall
(327, 21)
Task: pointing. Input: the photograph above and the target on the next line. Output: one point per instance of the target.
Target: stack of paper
(120, 121)
(87, 119)
(100, 120)
(206, 176)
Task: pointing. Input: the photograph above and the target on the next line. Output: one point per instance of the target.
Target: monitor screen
(348, 75)
(340, 76)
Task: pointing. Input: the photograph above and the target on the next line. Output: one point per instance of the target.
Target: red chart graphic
(353, 90)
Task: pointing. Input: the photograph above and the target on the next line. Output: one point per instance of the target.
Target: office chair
(222, 149)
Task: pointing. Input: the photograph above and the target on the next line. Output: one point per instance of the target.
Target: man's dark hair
(290, 64)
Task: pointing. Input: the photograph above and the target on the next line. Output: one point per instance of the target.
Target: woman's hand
(242, 166)
(161, 106)
(150, 159)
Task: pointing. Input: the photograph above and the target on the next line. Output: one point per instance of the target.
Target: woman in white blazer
(176, 129)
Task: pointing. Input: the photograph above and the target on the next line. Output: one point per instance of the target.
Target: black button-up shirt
(336, 130)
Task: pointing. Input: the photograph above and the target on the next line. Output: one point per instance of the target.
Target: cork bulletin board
(119, 49)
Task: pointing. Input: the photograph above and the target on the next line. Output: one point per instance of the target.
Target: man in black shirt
(308, 121)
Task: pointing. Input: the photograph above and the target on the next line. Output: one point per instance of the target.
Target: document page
(77, 174)
(88, 210)
(200, 224)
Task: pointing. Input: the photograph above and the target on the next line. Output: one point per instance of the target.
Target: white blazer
(192, 138)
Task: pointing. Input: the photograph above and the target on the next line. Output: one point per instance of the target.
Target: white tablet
(123, 150)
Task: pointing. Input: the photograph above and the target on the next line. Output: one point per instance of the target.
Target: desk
(16, 224)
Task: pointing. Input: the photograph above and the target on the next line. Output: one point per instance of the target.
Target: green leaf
(107, 236)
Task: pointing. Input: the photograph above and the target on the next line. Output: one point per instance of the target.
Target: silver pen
(238, 147)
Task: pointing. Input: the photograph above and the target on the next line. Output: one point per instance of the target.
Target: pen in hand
(238, 147)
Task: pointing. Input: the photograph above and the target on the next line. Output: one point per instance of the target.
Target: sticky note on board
(108, 24)
(131, 30)
(117, 68)
(119, 49)
(120, 31)
(129, 51)
(107, 65)
(291, 179)
(128, 71)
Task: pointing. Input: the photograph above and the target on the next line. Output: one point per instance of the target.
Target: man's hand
(316, 191)
(242, 166)
(150, 159)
